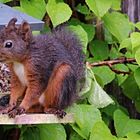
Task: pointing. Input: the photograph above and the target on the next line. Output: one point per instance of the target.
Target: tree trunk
(132, 9)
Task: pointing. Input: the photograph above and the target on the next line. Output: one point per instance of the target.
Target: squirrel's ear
(11, 25)
(25, 31)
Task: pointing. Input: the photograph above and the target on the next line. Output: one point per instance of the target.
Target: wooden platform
(35, 119)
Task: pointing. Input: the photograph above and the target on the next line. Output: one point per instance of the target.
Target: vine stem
(109, 63)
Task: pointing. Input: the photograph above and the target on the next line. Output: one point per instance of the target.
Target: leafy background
(109, 108)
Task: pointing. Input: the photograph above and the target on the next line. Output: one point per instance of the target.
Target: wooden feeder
(7, 13)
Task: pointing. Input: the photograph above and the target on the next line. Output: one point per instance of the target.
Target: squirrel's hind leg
(60, 90)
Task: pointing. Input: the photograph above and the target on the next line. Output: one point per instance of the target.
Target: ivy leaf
(116, 4)
(35, 8)
(138, 25)
(104, 73)
(137, 105)
(98, 96)
(101, 132)
(137, 56)
(58, 12)
(83, 9)
(137, 76)
(89, 28)
(31, 133)
(130, 88)
(135, 37)
(75, 136)
(125, 125)
(126, 43)
(118, 24)
(87, 84)
(52, 132)
(121, 77)
(82, 35)
(99, 50)
(114, 53)
(85, 118)
(133, 136)
(99, 7)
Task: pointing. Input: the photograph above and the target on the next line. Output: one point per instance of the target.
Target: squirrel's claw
(16, 111)
(6, 109)
(58, 112)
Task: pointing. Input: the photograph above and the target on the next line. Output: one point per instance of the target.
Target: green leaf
(98, 97)
(130, 88)
(118, 24)
(101, 132)
(138, 25)
(116, 4)
(137, 105)
(108, 36)
(52, 132)
(82, 35)
(126, 43)
(109, 110)
(87, 84)
(104, 73)
(114, 53)
(133, 136)
(137, 76)
(83, 9)
(137, 56)
(89, 28)
(75, 136)
(99, 50)
(135, 37)
(58, 12)
(85, 118)
(132, 67)
(99, 7)
(31, 133)
(125, 125)
(35, 8)
(121, 77)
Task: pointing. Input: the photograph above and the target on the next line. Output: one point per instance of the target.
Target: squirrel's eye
(8, 44)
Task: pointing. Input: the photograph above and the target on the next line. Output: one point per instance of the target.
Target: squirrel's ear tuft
(25, 27)
(25, 31)
(12, 22)
(11, 25)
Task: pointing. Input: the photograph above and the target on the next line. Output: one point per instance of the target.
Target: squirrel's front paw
(58, 112)
(16, 111)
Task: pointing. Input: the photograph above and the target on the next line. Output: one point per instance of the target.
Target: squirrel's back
(74, 47)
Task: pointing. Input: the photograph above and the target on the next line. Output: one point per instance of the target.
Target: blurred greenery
(104, 32)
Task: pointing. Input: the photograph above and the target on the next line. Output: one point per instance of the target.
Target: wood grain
(36, 119)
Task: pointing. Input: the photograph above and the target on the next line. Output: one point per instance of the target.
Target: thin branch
(109, 63)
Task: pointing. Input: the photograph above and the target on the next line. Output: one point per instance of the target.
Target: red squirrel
(44, 68)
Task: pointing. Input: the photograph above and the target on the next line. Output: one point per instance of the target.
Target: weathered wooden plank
(35, 119)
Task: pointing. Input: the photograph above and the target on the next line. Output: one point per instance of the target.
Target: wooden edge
(35, 119)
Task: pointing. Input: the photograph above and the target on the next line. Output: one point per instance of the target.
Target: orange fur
(53, 91)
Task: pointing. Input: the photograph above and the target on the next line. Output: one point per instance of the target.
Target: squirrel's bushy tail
(74, 47)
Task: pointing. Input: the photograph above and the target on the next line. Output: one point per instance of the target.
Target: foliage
(98, 107)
